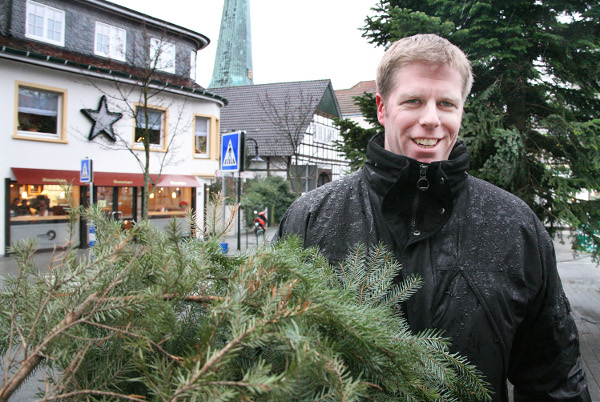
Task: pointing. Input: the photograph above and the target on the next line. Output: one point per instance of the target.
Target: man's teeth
(426, 142)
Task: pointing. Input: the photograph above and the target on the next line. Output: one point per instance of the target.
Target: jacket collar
(389, 173)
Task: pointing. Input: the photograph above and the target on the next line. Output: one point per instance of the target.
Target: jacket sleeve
(545, 363)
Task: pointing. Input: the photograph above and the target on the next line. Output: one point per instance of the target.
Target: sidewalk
(581, 282)
(247, 239)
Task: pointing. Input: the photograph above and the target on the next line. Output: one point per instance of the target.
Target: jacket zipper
(422, 185)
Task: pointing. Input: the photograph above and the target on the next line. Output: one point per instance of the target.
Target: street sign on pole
(86, 173)
(231, 152)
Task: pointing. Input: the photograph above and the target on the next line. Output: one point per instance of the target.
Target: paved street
(580, 277)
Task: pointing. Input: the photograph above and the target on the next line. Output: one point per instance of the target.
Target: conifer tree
(154, 316)
(532, 122)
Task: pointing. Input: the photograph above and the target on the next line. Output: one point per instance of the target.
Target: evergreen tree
(156, 317)
(272, 192)
(532, 121)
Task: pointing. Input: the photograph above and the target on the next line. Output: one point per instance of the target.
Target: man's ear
(380, 109)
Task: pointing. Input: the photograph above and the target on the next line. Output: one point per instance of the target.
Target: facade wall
(84, 93)
(80, 20)
(120, 162)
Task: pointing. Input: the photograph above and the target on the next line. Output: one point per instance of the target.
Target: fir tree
(154, 316)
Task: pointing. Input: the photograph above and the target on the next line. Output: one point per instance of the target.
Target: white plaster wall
(84, 93)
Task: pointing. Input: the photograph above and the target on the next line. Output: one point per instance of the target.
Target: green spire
(233, 62)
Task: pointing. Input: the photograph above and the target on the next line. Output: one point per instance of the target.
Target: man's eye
(413, 101)
(446, 104)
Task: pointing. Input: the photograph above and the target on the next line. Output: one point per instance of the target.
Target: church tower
(233, 61)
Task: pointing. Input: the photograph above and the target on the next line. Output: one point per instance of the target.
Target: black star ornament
(103, 120)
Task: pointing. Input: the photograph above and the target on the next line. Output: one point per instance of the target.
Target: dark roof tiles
(263, 111)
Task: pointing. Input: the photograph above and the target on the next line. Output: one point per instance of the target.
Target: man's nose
(429, 117)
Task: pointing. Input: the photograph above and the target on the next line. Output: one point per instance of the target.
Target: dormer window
(162, 55)
(110, 41)
(45, 23)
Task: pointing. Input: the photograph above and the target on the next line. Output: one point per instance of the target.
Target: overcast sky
(291, 40)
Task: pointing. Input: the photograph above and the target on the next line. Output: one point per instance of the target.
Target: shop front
(39, 200)
(39, 203)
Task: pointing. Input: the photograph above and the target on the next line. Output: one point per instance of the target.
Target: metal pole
(239, 193)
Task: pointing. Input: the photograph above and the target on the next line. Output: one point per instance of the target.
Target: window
(45, 23)
(201, 136)
(162, 55)
(110, 41)
(40, 113)
(151, 123)
(193, 65)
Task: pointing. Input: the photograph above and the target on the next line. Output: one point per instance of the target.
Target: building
(94, 79)
(233, 62)
(349, 108)
(292, 124)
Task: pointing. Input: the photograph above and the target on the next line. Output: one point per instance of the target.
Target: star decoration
(103, 120)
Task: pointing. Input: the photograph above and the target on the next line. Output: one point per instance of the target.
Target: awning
(105, 179)
(46, 176)
(175, 180)
(137, 180)
(113, 179)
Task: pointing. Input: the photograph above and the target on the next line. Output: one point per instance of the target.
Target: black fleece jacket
(488, 265)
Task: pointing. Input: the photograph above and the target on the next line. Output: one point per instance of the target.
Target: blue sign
(85, 173)
(231, 151)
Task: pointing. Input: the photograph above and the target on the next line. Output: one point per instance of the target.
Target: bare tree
(291, 116)
(143, 95)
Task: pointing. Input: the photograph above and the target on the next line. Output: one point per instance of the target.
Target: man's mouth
(426, 142)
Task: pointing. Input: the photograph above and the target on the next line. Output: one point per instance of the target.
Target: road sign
(86, 174)
(231, 151)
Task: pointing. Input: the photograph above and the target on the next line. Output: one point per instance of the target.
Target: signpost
(231, 152)
(86, 175)
(232, 155)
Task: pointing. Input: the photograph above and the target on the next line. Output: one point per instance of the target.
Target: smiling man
(488, 266)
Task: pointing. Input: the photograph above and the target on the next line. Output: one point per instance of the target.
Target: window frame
(165, 47)
(193, 64)
(45, 19)
(212, 142)
(61, 119)
(209, 120)
(162, 146)
(115, 34)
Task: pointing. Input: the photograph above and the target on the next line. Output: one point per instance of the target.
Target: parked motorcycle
(260, 223)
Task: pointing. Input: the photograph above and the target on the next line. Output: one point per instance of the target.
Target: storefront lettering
(45, 179)
(122, 182)
(178, 183)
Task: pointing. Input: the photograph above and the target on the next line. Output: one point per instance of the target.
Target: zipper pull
(423, 183)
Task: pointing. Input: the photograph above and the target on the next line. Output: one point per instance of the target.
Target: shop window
(40, 113)
(169, 202)
(45, 23)
(150, 123)
(162, 55)
(110, 41)
(33, 202)
(201, 136)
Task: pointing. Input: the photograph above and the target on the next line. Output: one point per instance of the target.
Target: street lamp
(257, 157)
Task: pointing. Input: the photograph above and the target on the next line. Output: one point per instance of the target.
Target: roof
(39, 53)
(346, 96)
(262, 111)
(201, 41)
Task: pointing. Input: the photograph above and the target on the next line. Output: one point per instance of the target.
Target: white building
(70, 78)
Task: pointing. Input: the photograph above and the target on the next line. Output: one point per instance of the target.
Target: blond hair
(423, 48)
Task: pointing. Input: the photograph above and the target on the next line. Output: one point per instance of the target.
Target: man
(488, 265)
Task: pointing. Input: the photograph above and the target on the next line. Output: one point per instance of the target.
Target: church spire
(233, 61)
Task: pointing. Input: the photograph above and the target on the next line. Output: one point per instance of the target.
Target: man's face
(423, 112)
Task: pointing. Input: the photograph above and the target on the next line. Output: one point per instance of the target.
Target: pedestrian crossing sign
(85, 171)
(231, 151)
